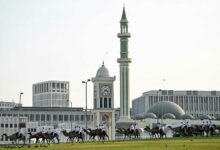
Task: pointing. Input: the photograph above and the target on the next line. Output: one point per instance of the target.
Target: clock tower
(103, 89)
(103, 101)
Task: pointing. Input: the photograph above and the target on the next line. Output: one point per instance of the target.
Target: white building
(195, 103)
(51, 94)
(7, 105)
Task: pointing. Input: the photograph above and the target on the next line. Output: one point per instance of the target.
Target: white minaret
(124, 70)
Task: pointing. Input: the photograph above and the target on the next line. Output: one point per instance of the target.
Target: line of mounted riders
(52, 136)
(182, 130)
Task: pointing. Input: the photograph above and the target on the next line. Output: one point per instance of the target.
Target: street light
(86, 98)
(20, 98)
(71, 117)
(21, 93)
(162, 105)
(158, 100)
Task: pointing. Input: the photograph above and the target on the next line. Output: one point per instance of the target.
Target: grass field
(212, 143)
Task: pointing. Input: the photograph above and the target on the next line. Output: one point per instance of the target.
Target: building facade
(51, 116)
(195, 103)
(51, 94)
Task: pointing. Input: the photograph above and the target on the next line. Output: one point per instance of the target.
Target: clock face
(105, 90)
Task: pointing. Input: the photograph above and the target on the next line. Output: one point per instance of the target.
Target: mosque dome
(139, 116)
(218, 118)
(203, 116)
(149, 115)
(169, 116)
(102, 72)
(164, 107)
(187, 116)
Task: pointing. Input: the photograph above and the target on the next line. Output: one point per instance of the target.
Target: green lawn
(212, 143)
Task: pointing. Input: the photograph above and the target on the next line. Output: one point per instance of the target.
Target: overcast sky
(67, 40)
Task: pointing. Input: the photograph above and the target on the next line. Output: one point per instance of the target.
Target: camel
(14, 137)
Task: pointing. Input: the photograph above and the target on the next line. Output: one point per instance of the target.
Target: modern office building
(195, 103)
(51, 94)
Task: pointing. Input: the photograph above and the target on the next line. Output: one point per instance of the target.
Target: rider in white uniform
(132, 127)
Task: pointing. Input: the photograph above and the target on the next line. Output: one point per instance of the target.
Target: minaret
(124, 70)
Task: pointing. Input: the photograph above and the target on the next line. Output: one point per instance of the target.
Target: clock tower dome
(103, 89)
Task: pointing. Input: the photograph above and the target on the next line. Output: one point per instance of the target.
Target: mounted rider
(43, 130)
(77, 128)
(18, 133)
(158, 126)
(210, 125)
(188, 125)
(101, 127)
(131, 128)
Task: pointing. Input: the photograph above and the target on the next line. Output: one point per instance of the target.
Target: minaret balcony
(126, 34)
(124, 60)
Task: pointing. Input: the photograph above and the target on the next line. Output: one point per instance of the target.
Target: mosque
(168, 105)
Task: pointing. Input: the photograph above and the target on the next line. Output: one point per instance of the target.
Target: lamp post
(162, 106)
(20, 98)
(21, 93)
(71, 116)
(158, 100)
(85, 82)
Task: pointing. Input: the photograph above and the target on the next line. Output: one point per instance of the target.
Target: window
(82, 117)
(37, 117)
(60, 117)
(170, 92)
(195, 92)
(31, 117)
(72, 117)
(6, 125)
(77, 118)
(2, 125)
(62, 86)
(53, 85)
(66, 117)
(105, 102)
(54, 117)
(164, 92)
(213, 93)
(188, 92)
(101, 102)
(42, 117)
(109, 102)
(48, 117)
(11, 125)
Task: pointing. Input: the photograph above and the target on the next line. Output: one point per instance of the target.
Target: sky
(174, 45)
